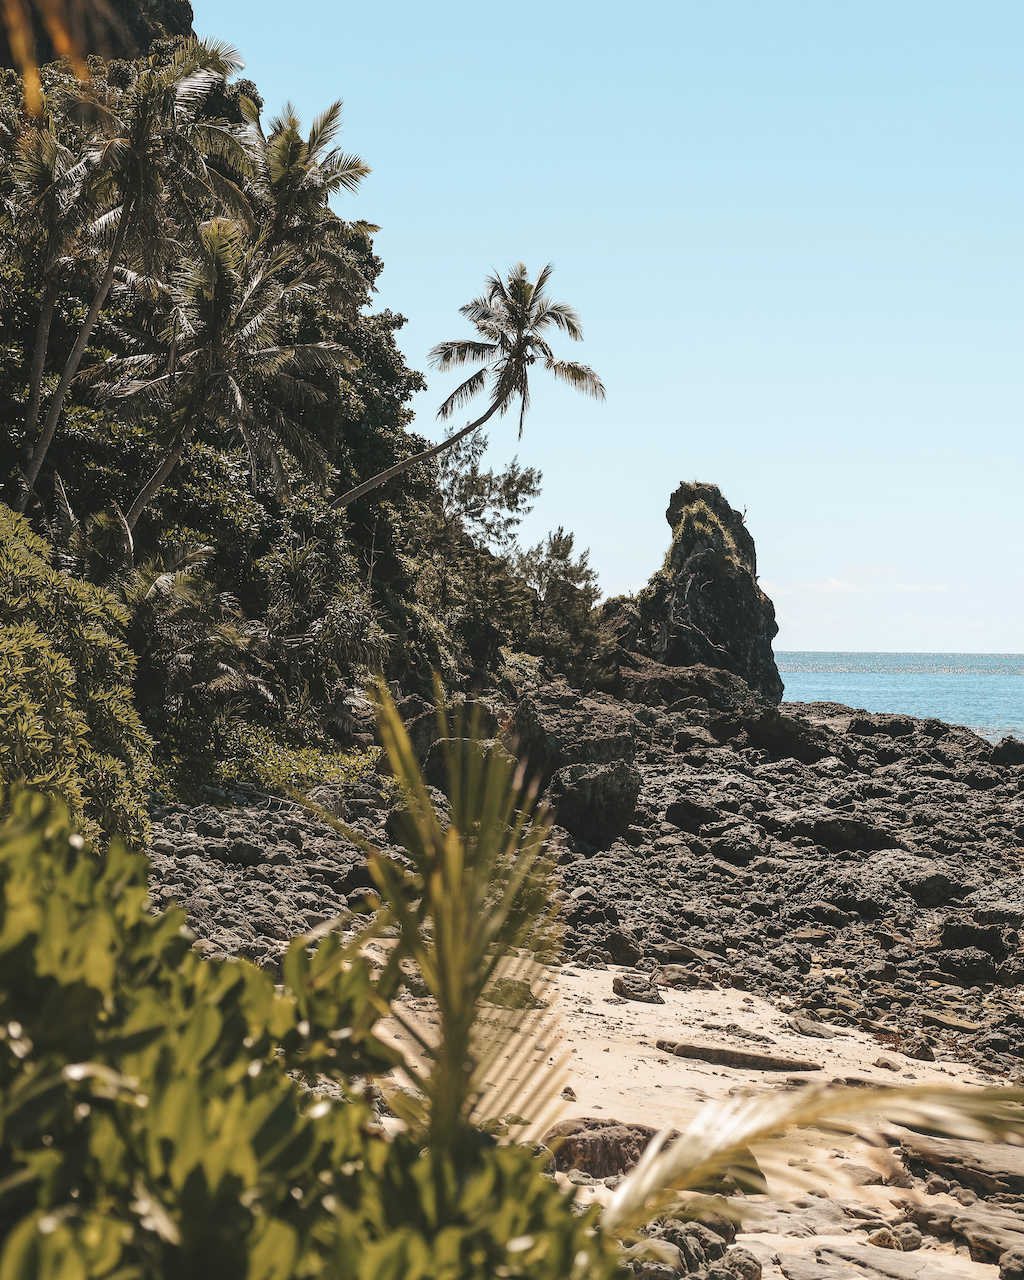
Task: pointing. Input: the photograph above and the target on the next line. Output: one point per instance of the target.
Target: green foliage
(67, 722)
(700, 528)
(564, 626)
(231, 383)
(152, 1127)
(255, 754)
(479, 889)
(488, 506)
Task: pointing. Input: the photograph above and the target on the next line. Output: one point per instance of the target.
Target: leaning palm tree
(147, 158)
(511, 318)
(217, 362)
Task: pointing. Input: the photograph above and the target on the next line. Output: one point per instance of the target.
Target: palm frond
(543, 276)
(344, 172)
(209, 54)
(461, 351)
(580, 376)
(325, 128)
(479, 890)
(463, 393)
(287, 121)
(562, 316)
(724, 1130)
(484, 886)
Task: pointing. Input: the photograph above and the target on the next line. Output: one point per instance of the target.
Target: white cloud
(865, 607)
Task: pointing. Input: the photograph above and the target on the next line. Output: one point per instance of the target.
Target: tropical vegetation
(204, 417)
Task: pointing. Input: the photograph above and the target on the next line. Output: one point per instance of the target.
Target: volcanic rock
(705, 605)
(598, 1147)
(636, 986)
(595, 802)
(555, 727)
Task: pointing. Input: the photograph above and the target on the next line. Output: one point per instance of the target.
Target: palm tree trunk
(383, 477)
(156, 481)
(35, 373)
(75, 359)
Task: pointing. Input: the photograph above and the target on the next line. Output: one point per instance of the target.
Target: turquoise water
(984, 691)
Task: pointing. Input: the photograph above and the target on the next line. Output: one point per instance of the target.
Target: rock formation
(704, 605)
(117, 29)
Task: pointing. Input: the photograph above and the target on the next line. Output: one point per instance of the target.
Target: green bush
(701, 527)
(256, 755)
(67, 722)
(152, 1125)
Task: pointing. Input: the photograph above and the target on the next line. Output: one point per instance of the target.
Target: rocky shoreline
(856, 869)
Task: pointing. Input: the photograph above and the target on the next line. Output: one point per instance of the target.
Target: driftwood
(735, 1057)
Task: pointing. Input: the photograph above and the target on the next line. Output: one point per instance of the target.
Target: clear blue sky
(793, 232)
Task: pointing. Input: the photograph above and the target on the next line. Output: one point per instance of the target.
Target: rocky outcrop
(595, 802)
(704, 606)
(557, 726)
(118, 29)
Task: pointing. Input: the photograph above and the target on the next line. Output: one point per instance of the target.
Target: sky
(792, 230)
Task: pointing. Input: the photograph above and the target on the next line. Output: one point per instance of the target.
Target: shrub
(153, 1128)
(67, 723)
(256, 755)
(700, 527)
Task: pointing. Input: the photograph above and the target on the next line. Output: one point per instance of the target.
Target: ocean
(984, 691)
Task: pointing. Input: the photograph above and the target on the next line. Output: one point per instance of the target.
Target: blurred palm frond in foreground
(724, 1133)
(471, 910)
(71, 27)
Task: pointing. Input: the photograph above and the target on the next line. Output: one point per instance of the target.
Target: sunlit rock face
(704, 605)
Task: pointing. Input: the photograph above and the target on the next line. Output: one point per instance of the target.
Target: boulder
(701, 686)
(986, 1166)
(689, 815)
(632, 985)
(740, 845)
(918, 1048)
(423, 731)
(556, 726)
(599, 1147)
(970, 965)
(435, 771)
(741, 1264)
(735, 1057)
(1009, 751)
(621, 947)
(595, 802)
(1011, 1263)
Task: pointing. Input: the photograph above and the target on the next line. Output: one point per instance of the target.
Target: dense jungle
(193, 375)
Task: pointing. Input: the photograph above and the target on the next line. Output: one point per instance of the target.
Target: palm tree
(147, 158)
(217, 360)
(301, 174)
(52, 214)
(298, 177)
(511, 318)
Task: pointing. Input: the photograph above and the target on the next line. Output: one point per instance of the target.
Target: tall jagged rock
(704, 605)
